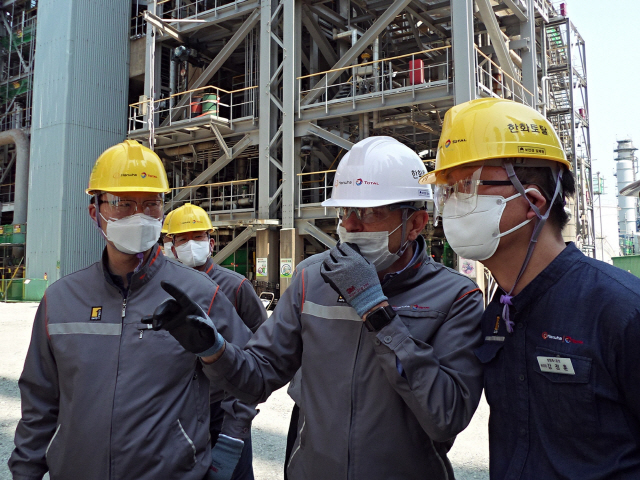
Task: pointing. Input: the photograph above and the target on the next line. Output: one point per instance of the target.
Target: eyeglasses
(372, 214)
(464, 192)
(181, 239)
(124, 207)
(365, 215)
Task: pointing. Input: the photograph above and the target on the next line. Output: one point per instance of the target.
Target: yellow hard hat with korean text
(493, 128)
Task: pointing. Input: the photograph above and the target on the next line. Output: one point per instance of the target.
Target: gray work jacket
(103, 396)
(373, 405)
(240, 293)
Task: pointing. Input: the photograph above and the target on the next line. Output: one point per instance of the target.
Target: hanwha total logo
(446, 145)
(359, 182)
(143, 175)
(545, 335)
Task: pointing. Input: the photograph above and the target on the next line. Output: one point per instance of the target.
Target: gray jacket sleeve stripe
(85, 328)
(330, 312)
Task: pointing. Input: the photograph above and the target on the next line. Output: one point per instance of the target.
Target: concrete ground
(470, 454)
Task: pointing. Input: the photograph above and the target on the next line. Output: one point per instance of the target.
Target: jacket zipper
(353, 375)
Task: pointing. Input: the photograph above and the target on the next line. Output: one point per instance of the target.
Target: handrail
(164, 99)
(502, 70)
(231, 182)
(350, 67)
(315, 173)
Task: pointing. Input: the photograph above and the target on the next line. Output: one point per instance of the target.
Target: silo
(625, 172)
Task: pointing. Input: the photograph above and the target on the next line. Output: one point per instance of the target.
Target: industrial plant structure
(251, 104)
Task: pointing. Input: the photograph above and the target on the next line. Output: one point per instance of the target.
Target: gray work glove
(187, 322)
(224, 457)
(353, 277)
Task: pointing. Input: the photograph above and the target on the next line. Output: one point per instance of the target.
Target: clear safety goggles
(372, 214)
(118, 207)
(463, 192)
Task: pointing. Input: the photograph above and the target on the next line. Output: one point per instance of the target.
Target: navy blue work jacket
(564, 387)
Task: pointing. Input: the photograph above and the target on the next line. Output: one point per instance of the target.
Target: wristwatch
(380, 317)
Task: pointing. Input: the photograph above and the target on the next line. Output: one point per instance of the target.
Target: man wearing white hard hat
(383, 335)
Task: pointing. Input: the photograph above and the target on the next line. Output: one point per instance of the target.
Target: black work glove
(353, 277)
(187, 322)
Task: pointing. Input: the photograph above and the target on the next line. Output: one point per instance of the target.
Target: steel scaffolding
(256, 101)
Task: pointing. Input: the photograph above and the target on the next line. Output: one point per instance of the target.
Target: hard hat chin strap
(540, 221)
(403, 242)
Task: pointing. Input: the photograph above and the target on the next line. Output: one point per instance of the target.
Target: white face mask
(476, 235)
(374, 246)
(134, 234)
(194, 253)
(167, 250)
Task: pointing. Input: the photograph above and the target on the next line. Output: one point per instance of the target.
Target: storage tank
(625, 173)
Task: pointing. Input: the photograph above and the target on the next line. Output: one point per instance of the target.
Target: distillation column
(625, 172)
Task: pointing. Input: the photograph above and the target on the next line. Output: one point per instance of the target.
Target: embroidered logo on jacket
(96, 314)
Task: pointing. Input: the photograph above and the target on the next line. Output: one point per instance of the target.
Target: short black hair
(544, 178)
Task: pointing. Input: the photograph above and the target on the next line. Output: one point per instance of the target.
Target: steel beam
(308, 228)
(440, 95)
(235, 244)
(528, 54)
(497, 40)
(217, 62)
(291, 26)
(328, 136)
(215, 167)
(428, 21)
(522, 16)
(376, 29)
(464, 84)
(321, 40)
(219, 15)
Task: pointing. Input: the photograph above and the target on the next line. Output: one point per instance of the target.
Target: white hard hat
(378, 171)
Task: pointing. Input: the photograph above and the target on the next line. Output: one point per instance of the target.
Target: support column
(267, 246)
(291, 247)
(528, 53)
(464, 82)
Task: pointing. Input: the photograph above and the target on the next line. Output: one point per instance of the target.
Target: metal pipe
(22, 171)
(376, 65)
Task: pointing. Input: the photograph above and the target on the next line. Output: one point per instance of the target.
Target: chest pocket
(422, 324)
(567, 401)
(491, 355)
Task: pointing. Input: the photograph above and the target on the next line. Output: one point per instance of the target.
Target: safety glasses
(462, 195)
(371, 214)
(118, 207)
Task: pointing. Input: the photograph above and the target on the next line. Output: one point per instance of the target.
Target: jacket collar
(143, 275)
(396, 282)
(545, 279)
(209, 267)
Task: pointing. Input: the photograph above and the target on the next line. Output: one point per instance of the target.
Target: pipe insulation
(21, 141)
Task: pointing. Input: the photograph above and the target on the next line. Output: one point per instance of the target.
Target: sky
(612, 44)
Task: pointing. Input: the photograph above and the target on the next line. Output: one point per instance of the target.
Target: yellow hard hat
(165, 224)
(189, 218)
(493, 128)
(128, 167)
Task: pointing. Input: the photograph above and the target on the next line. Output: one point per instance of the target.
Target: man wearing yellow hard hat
(561, 334)
(190, 232)
(103, 395)
(167, 241)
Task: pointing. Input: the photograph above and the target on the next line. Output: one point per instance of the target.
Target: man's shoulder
(437, 273)
(312, 262)
(220, 272)
(176, 272)
(606, 278)
(82, 278)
